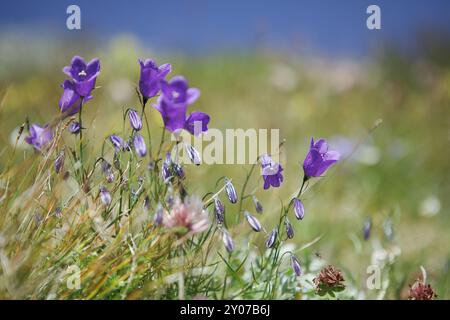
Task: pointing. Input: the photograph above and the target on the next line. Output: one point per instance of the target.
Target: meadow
(384, 203)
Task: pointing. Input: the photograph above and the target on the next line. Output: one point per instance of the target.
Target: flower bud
(258, 205)
(139, 145)
(299, 210)
(272, 239)
(289, 229)
(227, 241)
(135, 120)
(193, 155)
(296, 266)
(231, 191)
(253, 222)
(219, 209)
(74, 127)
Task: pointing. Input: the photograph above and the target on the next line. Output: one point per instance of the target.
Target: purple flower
(319, 158)
(135, 120)
(253, 222)
(105, 196)
(271, 239)
(299, 209)
(150, 77)
(39, 137)
(70, 101)
(271, 172)
(117, 142)
(289, 229)
(227, 241)
(84, 75)
(74, 127)
(139, 145)
(296, 266)
(173, 104)
(230, 190)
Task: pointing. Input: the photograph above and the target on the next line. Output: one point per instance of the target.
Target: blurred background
(308, 68)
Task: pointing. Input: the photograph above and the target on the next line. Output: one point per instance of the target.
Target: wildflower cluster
(130, 172)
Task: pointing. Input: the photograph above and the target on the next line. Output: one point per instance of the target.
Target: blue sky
(197, 26)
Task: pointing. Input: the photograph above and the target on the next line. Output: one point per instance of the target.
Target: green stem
(80, 120)
(243, 192)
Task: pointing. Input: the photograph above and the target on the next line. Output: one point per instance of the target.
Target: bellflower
(219, 209)
(289, 229)
(118, 142)
(319, 158)
(173, 103)
(135, 120)
(150, 77)
(70, 101)
(139, 145)
(271, 172)
(272, 239)
(193, 155)
(253, 222)
(83, 75)
(296, 266)
(75, 127)
(39, 137)
(299, 209)
(227, 241)
(230, 190)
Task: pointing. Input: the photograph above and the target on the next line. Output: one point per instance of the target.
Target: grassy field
(388, 116)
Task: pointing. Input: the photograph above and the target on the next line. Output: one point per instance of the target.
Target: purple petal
(197, 122)
(192, 95)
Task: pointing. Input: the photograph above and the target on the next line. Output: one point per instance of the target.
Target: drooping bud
(299, 210)
(296, 266)
(253, 222)
(227, 241)
(105, 196)
(289, 229)
(117, 142)
(272, 239)
(231, 191)
(219, 209)
(193, 155)
(135, 120)
(75, 127)
(258, 205)
(139, 145)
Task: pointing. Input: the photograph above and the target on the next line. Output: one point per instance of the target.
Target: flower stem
(80, 120)
(243, 191)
